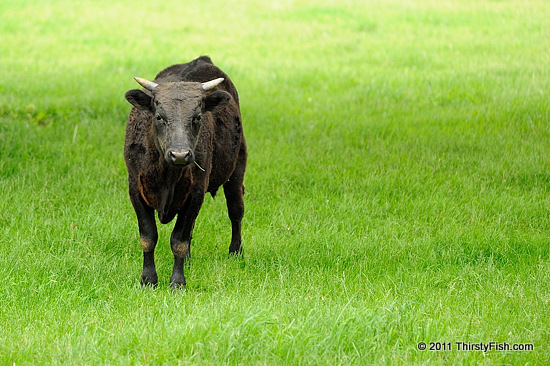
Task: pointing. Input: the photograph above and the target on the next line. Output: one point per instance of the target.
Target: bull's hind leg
(148, 237)
(234, 192)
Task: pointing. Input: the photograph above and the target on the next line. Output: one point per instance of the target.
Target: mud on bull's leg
(149, 273)
(181, 254)
(181, 251)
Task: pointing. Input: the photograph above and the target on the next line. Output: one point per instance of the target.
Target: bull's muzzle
(180, 156)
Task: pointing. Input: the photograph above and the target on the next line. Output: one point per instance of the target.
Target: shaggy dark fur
(178, 114)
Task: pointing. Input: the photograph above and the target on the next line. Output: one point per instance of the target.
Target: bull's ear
(138, 99)
(216, 101)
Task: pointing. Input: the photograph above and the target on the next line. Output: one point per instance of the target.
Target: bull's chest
(165, 191)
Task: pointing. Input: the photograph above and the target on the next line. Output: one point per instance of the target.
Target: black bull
(184, 138)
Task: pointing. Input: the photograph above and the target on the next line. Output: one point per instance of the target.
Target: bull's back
(199, 70)
(178, 72)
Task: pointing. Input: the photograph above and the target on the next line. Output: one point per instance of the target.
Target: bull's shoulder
(206, 72)
(136, 138)
(138, 122)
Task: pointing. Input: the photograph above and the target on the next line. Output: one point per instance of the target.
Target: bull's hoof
(177, 282)
(149, 279)
(238, 256)
(236, 252)
(177, 286)
(146, 283)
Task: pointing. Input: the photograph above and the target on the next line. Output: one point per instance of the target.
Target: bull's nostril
(180, 156)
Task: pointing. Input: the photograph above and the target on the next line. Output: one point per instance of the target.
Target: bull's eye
(197, 120)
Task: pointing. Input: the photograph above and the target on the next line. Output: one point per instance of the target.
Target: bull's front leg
(148, 237)
(180, 241)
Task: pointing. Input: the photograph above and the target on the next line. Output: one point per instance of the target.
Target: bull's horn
(212, 84)
(149, 85)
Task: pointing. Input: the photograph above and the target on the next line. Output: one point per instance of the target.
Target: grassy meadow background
(397, 186)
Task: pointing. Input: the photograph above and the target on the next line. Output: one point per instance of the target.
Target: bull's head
(177, 109)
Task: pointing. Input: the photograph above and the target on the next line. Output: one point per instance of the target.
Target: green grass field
(397, 186)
